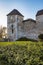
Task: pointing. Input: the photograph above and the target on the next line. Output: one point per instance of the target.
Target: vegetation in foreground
(21, 53)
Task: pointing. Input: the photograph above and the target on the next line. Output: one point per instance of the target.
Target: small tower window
(12, 29)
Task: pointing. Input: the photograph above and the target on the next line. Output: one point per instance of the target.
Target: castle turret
(39, 16)
(39, 21)
(13, 18)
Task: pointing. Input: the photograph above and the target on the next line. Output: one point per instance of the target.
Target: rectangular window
(12, 29)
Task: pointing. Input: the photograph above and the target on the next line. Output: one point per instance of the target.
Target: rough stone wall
(39, 18)
(30, 29)
(39, 26)
(20, 26)
(16, 21)
(11, 21)
(28, 26)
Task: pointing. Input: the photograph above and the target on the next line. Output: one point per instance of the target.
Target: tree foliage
(2, 32)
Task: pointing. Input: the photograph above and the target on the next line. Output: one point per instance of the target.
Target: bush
(26, 39)
(30, 53)
(41, 37)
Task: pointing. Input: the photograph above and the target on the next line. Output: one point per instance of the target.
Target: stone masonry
(17, 27)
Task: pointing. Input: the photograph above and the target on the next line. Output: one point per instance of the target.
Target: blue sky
(28, 8)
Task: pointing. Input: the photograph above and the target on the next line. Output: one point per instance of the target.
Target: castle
(17, 27)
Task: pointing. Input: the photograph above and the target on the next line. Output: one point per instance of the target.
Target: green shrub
(41, 37)
(26, 39)
(30, 53)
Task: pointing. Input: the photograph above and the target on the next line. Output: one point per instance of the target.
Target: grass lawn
(19, 43)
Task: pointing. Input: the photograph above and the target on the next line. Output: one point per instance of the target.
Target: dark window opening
(12, 26)
(12, 29)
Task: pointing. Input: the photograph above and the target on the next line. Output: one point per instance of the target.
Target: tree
(3, 32)
(41, 37)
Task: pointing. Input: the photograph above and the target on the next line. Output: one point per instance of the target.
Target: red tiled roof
(15, 12)
(40, 12)
(29, 20)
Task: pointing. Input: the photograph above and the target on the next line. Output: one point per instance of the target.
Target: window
(12, 28)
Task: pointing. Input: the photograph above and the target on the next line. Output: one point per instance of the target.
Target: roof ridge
(30, 20)
(40, 12)
(15, 12)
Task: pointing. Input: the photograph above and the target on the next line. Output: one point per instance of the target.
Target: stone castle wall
(28, 29)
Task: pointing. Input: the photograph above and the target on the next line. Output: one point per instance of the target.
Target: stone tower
(39, 19)
(14, 21)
